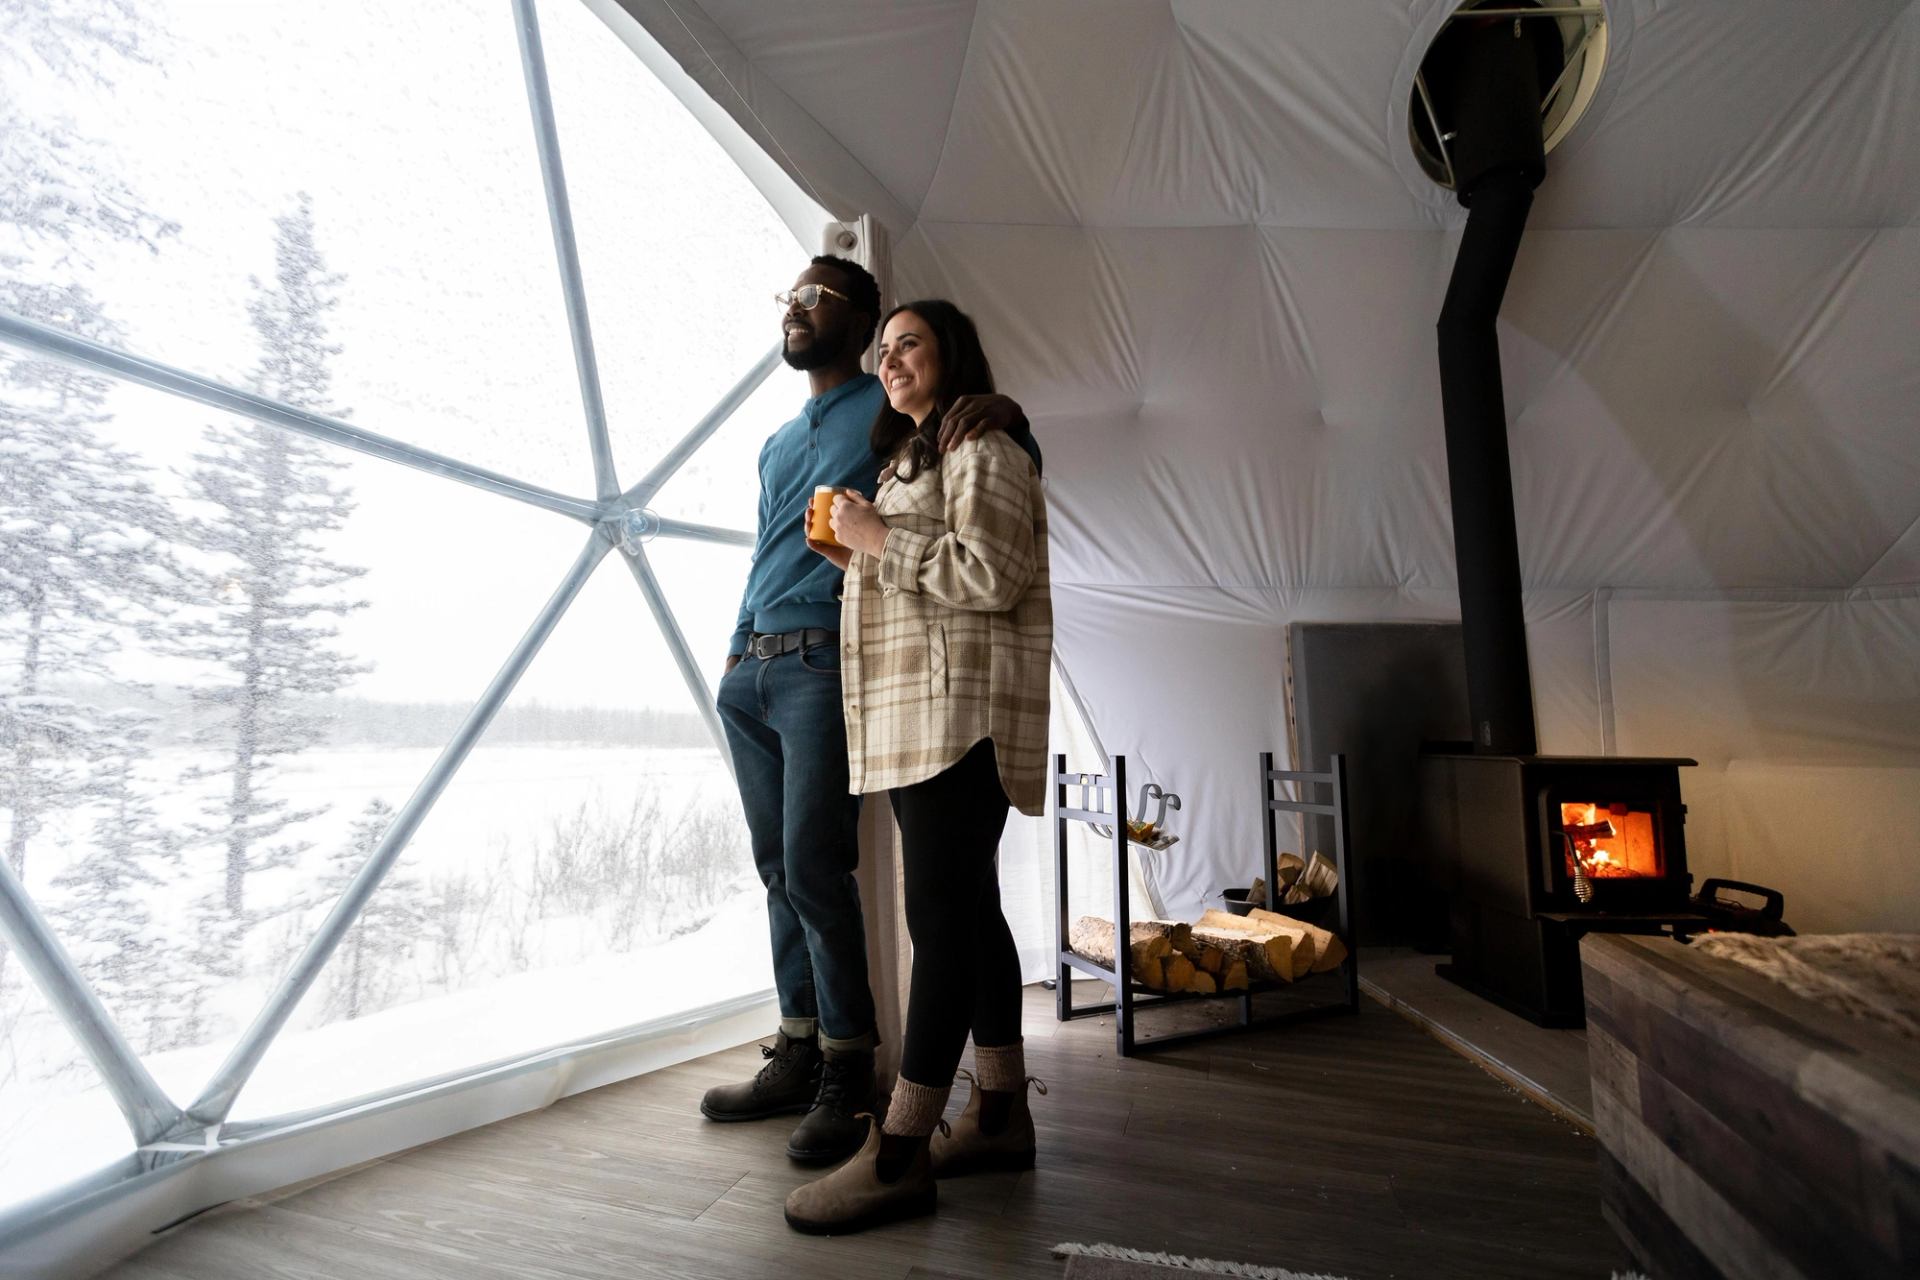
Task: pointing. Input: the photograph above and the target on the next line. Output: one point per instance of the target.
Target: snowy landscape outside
(228, 655)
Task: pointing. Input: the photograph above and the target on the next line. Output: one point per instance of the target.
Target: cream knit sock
(915, 1109)
(1001, 1068)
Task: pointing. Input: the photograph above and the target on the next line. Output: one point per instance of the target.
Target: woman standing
(947, 634)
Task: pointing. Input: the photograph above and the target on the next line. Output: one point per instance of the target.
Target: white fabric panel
(1753, 113)
(762, 111)
(1802, 681)
(1729, 112)
(1805, 716)
(909, 57)
(1695, 408)
(1191, 114)
(1900, 562)
(1203, 433)
(1712, 408)
(1836, 840)
(1569, 711)
(1187, 685)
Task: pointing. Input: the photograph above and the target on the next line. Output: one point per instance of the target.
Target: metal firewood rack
(1103, 803)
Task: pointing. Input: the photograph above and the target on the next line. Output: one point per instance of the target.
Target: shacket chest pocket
(919, 508)
(922, 498)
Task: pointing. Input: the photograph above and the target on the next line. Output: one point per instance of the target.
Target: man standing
(780, 703)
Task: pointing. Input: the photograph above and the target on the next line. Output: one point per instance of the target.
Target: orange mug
(820, 529)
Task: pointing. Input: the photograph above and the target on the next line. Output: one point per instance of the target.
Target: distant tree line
(362, 722)
(371, 722)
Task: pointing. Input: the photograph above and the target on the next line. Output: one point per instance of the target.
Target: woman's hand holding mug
(812, 522)
(858, 525)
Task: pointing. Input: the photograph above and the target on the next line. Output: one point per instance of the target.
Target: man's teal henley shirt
(792, 587)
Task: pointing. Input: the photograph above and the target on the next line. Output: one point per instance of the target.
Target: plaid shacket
(947, 638)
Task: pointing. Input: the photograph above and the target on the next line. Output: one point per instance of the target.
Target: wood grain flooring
(1548, 1065)
(1356, 1146)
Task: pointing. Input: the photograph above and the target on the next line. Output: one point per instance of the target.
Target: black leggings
(966, 973)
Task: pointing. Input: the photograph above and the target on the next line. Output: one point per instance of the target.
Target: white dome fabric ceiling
(1203, 257)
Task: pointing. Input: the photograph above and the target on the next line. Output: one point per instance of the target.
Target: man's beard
(817, 354)
(814, 355)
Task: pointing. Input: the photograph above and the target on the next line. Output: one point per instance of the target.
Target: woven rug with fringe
(1112, 1262)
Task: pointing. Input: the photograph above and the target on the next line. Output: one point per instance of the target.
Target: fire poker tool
(1147, 834)
(1580, 835)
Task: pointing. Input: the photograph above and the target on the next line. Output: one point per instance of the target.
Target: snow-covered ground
(539, 955)
(62, 1135)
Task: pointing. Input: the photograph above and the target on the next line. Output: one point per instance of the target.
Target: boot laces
(836, 1078)
(776, 1061)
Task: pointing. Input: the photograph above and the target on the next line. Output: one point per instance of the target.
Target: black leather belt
(772, 646)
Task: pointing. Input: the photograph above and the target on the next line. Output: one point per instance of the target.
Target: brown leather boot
(966, 1149)
(788, 1082)
(853, 1198)
(835, 1127)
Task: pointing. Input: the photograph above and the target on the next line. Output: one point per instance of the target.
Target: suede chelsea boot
(968, 1148)
(855, 1196)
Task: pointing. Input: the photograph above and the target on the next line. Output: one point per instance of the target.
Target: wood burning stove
(1539, 849)
(1545, 849)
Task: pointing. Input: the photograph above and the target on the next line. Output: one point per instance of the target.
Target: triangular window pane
(402, 129)
(586, 870)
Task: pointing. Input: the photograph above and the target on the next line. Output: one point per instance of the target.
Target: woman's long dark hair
(964, 371)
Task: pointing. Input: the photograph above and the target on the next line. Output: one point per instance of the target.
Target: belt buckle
(761, 647)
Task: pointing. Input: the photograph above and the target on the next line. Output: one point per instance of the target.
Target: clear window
(229, 654)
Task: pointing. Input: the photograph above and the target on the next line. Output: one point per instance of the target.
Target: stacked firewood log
(1220, 952)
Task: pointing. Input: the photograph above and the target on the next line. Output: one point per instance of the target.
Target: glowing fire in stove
(1607, 842)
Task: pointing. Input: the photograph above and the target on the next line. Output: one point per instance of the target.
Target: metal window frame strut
(56, 344)
(553, 178)
(148, 1111)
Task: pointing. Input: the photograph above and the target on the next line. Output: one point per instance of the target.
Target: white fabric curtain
(1027, 859)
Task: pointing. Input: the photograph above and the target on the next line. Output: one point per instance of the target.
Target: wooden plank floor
(1356, 1146)
(1549, 1065)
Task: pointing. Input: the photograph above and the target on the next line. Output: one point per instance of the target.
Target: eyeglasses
(808, 296)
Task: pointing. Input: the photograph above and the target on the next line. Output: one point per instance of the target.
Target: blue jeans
(789, 743)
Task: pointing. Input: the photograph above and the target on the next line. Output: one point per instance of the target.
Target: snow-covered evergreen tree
(274, 594)
(57, 189)
(104, 915)
(368, 970)
(79, 525)
(81, 531)
(83, 559)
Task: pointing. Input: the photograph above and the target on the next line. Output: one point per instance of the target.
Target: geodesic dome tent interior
(1204, 251)
(1206, 245)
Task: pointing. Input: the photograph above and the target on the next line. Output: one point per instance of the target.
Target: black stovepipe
(1479, 473)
